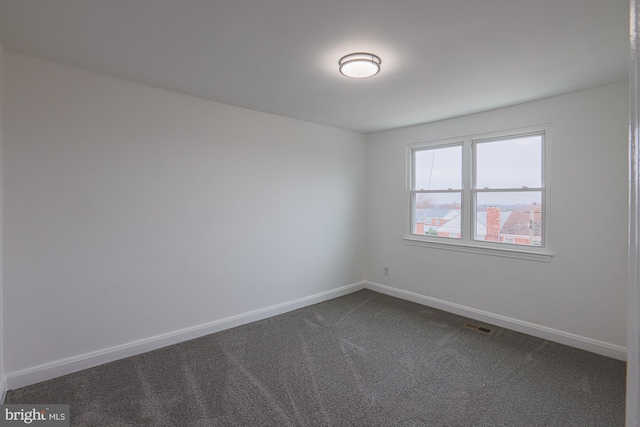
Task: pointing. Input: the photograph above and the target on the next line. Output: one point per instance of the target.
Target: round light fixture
(359, 65)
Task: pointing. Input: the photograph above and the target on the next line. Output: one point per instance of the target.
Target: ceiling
(440, 58)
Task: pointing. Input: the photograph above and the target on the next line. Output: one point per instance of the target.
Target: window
(488, 193)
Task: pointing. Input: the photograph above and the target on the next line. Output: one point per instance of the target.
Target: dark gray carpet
(365, 359)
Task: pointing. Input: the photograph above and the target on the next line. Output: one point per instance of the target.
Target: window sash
(434, 222)
(434, 147)
(543, 222)
(474, 165)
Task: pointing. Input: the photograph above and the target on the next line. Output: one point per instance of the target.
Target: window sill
(541, 255)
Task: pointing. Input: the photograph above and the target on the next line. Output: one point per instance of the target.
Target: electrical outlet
(386, 270)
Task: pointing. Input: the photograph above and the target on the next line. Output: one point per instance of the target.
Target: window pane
(438, 168)
(509, 163)
(509, 217)
(437, 214)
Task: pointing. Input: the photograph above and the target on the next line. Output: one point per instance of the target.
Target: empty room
(296, 213)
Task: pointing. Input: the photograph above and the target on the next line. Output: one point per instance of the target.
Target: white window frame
(466, 242)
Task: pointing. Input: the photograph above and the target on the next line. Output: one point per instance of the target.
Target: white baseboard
(584, 343)
(77, 363)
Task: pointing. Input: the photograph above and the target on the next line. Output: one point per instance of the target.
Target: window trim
(466, 242)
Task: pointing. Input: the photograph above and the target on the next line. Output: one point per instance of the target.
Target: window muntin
(503, 169)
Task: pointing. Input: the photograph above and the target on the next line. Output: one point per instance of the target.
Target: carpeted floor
(365, 359)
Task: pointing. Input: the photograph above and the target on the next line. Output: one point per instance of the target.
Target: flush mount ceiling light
(359, 65)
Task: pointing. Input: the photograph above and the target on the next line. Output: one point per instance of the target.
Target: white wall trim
(633, 314)
(584, 343)
(479, 248)
(77, 363)
(3, 388)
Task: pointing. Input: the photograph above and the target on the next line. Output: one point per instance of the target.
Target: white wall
(132, 211)
(2, 324)
(582, 291)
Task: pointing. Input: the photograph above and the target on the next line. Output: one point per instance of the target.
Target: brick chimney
(493, 224)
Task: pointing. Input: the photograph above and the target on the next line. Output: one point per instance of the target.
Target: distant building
(481, 224)
(492, 225)
(451, 228)
(432, 219)
(521, 228)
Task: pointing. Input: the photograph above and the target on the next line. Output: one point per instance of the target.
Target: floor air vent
(478, 328)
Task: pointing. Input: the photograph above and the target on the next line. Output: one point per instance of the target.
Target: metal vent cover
(478, 328)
